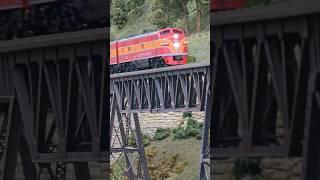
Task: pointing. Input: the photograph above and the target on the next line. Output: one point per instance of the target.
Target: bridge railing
(177, 88)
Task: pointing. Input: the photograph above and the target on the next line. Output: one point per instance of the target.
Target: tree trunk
(187, 23)
(186, 14)
(199, 14)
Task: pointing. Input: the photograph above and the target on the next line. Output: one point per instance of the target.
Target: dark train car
(90, 10)
(218, 5)
(23, 18)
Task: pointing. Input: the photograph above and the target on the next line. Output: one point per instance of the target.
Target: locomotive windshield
(165, 32)
(177, 31)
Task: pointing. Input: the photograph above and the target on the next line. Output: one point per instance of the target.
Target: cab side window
(177, 32)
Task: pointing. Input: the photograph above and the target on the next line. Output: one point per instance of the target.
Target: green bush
(192, 129)
(191, 59)
(161, 133)
(187, 114)
(145, 139)
(243, 168)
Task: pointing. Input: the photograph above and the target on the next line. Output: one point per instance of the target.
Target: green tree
(119, 13)
(185, 12)
(161, 19)
(166, 12)
(134, 4)
(201, 5)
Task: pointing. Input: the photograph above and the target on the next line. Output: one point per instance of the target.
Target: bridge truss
(53, 101)
(266, 83)
(171, 89)
(54, 105)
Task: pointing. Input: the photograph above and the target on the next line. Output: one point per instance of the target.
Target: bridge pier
(125, 126)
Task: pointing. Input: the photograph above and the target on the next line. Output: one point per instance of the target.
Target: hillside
(138, 22)
(187, 153)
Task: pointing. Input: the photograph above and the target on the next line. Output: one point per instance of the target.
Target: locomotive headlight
(176, 45)
(176, 36)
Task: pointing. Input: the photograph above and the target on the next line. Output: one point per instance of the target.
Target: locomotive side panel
(143, 47)
(113, 53)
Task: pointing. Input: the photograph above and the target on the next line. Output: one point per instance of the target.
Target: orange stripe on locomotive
(169, 43)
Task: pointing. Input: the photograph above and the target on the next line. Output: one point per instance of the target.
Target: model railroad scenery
(155, 44)
(53, 89)
(159, 89)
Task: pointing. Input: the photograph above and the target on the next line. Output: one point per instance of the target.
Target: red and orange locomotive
(156, 49)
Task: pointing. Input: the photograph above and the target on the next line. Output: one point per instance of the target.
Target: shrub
(187, 114)
(243, 168)
(161, 133)
(192, 129)
(164, 166)
(146, 140)
(191, 59)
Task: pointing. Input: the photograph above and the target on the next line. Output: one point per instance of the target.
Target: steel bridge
(54, 94)
(54, 105)
(266, 97)
(171, 89)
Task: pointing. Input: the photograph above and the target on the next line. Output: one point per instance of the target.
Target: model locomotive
(23, 18)
(165, 47)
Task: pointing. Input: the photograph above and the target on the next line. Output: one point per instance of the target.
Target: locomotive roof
(141, 35)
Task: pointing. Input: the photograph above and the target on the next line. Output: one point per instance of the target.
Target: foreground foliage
(243, 168)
